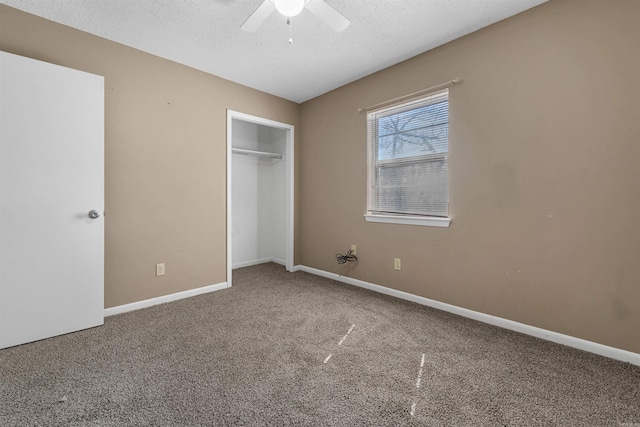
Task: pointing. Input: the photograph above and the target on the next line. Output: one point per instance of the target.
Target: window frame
(399, 218)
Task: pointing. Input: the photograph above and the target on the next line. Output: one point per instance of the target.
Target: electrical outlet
(397, 264)
(160, 269)
(353, 249)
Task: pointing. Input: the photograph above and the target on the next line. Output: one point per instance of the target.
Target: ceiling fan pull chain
(289, 24)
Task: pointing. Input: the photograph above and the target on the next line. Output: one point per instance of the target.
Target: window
(408, 168)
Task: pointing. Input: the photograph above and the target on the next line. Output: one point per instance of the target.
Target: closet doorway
(259, 192)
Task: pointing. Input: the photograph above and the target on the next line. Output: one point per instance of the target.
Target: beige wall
(165, 156)
(544, 174)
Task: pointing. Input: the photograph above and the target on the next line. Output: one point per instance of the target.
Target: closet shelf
(256, 153)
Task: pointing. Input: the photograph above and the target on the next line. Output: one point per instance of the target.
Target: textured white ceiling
(206, 35)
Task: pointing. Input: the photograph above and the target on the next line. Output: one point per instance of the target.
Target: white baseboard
(592, 347)
(279, 261)
(111, 311)
(256, 262)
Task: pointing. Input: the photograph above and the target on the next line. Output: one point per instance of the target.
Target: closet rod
(445, 85)
(256, 153)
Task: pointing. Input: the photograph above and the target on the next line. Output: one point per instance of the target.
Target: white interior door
(51, 177)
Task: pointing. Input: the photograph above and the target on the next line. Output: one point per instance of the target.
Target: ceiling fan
(290, 8)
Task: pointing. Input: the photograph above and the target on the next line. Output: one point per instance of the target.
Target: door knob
(93, 214)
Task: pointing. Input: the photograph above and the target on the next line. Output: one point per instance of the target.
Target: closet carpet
(290, 349)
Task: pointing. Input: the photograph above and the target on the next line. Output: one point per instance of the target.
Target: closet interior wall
(258, 195)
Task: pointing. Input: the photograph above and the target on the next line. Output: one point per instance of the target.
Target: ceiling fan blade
(329, 15)
(258, 16)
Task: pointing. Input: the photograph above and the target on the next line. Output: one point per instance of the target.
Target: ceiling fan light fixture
(289, 7)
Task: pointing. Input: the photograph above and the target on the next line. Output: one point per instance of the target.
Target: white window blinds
(408, 149)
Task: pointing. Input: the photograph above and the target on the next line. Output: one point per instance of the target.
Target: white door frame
(289, 157)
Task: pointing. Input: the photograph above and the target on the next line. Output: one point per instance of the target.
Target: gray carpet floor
(286, 349)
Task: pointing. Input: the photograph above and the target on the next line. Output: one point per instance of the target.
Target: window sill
(410, 220)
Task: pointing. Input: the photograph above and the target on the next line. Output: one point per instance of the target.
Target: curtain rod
(450, 83)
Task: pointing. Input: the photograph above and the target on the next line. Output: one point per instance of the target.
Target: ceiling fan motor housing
(289, 7)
